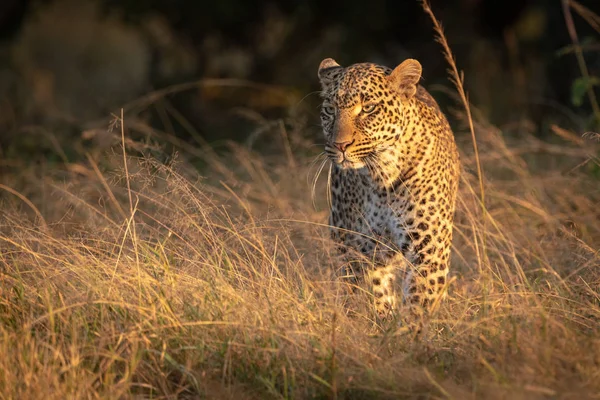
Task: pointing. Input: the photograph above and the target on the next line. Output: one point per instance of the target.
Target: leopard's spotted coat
(394, 178)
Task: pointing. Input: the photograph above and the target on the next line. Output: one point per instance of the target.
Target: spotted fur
(394, 178)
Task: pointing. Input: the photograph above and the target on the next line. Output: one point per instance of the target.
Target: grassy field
(123, 275)
(151, 281)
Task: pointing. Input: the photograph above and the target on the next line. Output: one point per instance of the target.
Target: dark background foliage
(67, 65)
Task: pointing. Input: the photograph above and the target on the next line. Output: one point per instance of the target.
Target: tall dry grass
(127, 277)
(225, 286)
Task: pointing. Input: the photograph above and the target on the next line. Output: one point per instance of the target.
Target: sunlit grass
(128, 277)
(227, 286)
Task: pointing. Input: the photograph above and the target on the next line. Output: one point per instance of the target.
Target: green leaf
(580, 87)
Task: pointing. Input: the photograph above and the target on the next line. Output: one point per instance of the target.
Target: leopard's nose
(342, 146)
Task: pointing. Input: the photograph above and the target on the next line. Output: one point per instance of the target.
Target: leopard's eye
(369, 108)
(329, 109)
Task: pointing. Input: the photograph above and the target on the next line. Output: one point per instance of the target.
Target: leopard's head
(363, 107)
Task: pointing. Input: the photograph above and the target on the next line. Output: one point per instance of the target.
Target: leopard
(393, 182)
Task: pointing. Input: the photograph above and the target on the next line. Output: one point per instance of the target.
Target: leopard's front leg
(425, 284)
(383, 280)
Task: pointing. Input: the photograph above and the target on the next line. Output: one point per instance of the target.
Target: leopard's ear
(405, 77)
(328, 71)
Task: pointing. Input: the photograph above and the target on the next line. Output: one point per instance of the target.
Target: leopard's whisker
(307, 96)
(314, 183)
(312, 164)
(329, 202)
(316, 159)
